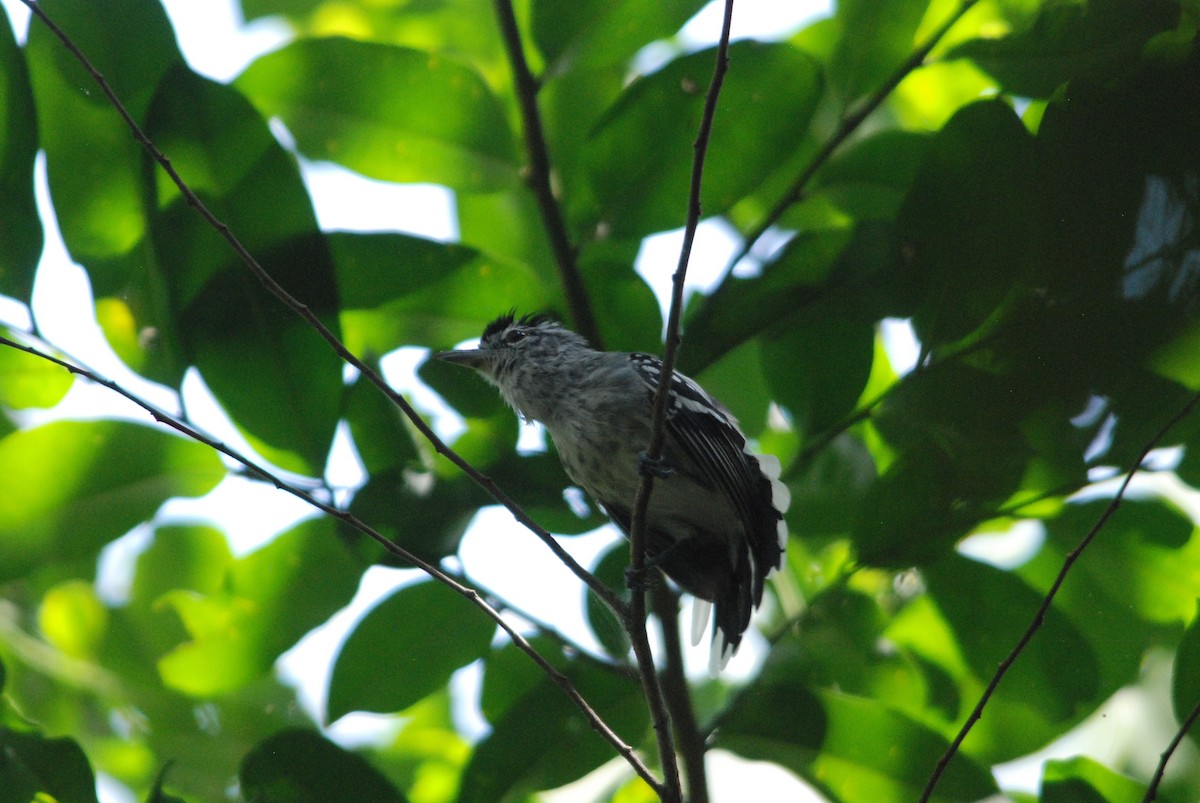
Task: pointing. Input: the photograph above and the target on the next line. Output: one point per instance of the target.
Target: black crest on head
(508, 319)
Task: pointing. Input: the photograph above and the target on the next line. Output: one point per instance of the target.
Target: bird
(715, 523)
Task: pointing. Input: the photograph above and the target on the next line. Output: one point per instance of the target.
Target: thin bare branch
(678, 696)
(599, 589)
(1048, 599)
(1156, 781)
(540, 181)
(637, 530)
(351, 520)
(849, 123)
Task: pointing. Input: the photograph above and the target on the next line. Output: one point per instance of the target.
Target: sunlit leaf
(68, 488)
(390, 113)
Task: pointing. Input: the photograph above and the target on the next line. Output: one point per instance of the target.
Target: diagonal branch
(1039, 616)
(599, 589)
(473, 596)
(637, 530)
(850, 123)
(539, 178)
(1152, 789)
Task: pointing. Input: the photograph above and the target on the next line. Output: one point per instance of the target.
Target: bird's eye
(514, 336)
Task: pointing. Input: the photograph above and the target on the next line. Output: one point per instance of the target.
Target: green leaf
(300, 766)
(970, 221)
(986, 634)
(397, 290)
(853, 748)
(541, 740)
(640, 179)
(36, 768)
(399, 651)
(1097, 40)
(829, 490)
(95, 166)
(609, 569)
(876, 38)
(71, 487)
(226, 323)
(575, 34)
(1185, 679)
(30, 381)
(387, 112)
(824, 387)
(20, 226)
(266, 602)
(1082, 780)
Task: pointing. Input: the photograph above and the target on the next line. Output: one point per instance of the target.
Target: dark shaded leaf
(270, 370)
(20, 226)
(1097, 40)
(36, 768)
(542, 741)
(405, 648)
(853, 748)
(299, 766)
(970, 221)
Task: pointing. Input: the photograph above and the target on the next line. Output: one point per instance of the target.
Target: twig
(848, 125)
(351, 520)
(599, 589)
(526, 89)
(1152, 789)
(637, 530)
(678, 697)
(1039, 616)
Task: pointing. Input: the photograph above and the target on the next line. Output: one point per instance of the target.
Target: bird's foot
(655, 467)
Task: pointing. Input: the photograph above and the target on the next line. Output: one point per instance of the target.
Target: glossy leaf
(574, 35)
(229, 326)
(396, 289)
(390, 113)
(641, 182)
(405, 648)
(71, 487)
(94, 164)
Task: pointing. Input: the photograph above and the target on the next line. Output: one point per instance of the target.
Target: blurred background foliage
(1026, 198)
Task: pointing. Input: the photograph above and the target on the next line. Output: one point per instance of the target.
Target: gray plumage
(715, 525)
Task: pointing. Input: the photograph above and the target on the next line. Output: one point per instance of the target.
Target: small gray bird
(715, 522)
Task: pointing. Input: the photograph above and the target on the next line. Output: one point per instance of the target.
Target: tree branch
(637, 530)
(599, 589)
(351, 520)
(1156, 781)
(539, 178)
(678, 696)
(846, 127)
(1039, 616)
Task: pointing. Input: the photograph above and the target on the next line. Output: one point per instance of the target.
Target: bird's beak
(472, 358)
